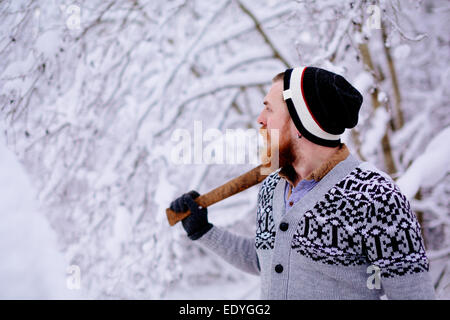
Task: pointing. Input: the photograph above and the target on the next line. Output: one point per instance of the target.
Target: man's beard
(286, 160)
(286, 153)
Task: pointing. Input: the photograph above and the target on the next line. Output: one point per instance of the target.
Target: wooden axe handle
(236, 185)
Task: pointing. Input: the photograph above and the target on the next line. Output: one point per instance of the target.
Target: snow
(402, 51)
(429, 167)
(31, 265)
(374, 135)
(363, 82)
(19, 68)
(49, 43)
(164, 194)
(120, 233)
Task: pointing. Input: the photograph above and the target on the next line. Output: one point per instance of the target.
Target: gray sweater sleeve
(416, 286)
(395, 245)
(237, 250)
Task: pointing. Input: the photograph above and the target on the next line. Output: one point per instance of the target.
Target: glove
(196, 224)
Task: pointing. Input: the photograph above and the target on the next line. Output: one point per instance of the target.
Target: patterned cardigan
(353, 236)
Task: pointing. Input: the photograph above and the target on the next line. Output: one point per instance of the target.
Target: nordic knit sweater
(353, 236)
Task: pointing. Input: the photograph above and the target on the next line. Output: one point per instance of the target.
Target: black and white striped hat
(322, 104)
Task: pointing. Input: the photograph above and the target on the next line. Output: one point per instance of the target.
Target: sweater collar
(342, 153)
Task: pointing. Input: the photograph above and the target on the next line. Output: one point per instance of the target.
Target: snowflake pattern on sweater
(362, 220)
(265, 232)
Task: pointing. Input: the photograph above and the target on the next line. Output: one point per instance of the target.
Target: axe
(256, 175)
(226, 190)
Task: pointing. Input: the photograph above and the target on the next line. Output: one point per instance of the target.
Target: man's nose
(261, 119)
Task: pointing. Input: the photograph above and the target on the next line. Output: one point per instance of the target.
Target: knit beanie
(322, 104)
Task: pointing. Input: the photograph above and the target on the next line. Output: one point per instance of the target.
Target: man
(328, 225)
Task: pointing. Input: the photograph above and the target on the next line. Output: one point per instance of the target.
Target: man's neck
(310, 162)
(314, 168)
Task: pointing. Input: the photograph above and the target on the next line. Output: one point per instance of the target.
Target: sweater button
(284, 226)
(279, 268)
(291, 203)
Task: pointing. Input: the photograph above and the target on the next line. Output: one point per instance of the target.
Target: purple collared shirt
(297, 193)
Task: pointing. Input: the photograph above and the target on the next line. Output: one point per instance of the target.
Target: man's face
(275, 116)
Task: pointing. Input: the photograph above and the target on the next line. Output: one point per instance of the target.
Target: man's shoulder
(367, 179)
(380, 175)
(379, 187)
(271, 180)
(369, 175)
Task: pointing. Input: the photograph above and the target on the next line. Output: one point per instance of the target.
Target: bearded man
(328, 225)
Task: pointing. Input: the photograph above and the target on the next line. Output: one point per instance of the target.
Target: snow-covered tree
(91, 93)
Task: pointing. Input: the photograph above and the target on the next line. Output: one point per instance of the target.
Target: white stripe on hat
(295, 93)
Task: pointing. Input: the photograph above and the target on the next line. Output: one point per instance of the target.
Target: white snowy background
(91, 93)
